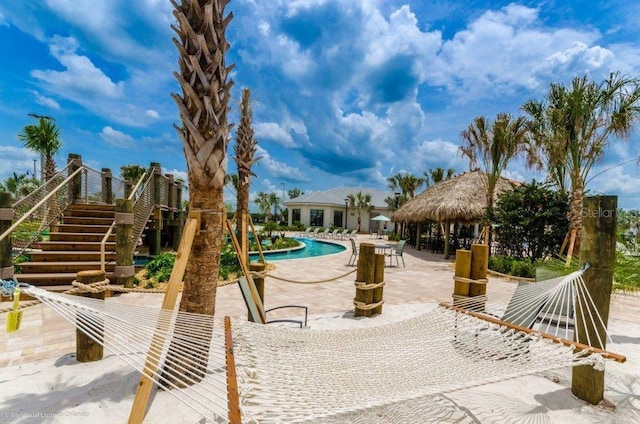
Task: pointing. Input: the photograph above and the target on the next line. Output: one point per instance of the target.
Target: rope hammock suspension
(292, 375)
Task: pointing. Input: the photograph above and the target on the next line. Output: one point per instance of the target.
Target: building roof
(336, 196)
(462, 197)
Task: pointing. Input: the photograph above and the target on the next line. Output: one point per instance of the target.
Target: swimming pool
(312, 248)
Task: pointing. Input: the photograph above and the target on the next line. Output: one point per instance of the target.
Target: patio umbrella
(381, 218)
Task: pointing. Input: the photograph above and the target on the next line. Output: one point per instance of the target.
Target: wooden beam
(233, 400)
(140, 402)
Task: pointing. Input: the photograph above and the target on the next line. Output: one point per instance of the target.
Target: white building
(329, 209)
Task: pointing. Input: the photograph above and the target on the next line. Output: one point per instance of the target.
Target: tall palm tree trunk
(203, 107)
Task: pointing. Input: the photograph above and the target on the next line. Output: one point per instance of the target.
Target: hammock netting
(393, 372)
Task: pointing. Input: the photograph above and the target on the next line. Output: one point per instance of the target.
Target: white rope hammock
(293, 375)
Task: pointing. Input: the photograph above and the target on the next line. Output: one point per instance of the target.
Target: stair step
(62, 267)
(83, 220)
(92, 206)
(77, 228)
(53, 279)
(90, 213)
(81, 246)
(76, 237)
(70, 256)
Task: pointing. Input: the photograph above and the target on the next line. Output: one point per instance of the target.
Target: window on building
(337, 219)
(317, 218)
(295, 216)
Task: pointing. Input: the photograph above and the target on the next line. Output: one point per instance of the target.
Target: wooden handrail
(103, 246)
(133, 192)
(40, 203)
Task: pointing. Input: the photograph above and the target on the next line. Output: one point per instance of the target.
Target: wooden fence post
(155, 226)
(125, 269)
(76, 185)
(598, 249)
(107, 186)
(6, 220)
(87, 349)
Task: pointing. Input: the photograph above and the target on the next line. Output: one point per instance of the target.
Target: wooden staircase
(73, 246)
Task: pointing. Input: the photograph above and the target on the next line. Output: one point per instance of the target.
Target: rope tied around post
(363, 285)
(366, 307)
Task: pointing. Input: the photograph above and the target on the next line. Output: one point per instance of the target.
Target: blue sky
(346, 92)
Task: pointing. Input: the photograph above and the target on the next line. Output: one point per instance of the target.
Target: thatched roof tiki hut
(460, 199)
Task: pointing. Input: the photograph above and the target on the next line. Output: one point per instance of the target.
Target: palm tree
(263, 201)
(492, 145)
(361, 202)
(232, 180)
(294, 192)
(245, 150)
(132, 173)
(407, 183)
(19, 185)
(43, 138)
(571, 129)
(203, 108)
(435, 175)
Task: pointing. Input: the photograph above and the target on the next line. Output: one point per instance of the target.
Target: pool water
(312, 248)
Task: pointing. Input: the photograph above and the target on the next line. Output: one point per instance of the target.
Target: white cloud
(278, 169)
(152, 114)
(81, 79)
(46, 101)
(437, 153)
(16, 159)
(116, 138)
(274, 132)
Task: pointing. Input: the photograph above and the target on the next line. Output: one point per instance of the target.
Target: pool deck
(427, 278)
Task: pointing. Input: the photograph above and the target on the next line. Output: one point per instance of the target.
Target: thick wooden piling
(365, 275)
(378, 292)
(87, 349)
(258, 267)
(125, 269)
(598, 249)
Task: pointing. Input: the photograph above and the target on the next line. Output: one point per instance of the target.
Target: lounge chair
(306, 232)
(334, 233)
(397, 253)
(354, 253)
(314, 233)
(256, 308)
(353, 234)
(344, 234)
(324, 234)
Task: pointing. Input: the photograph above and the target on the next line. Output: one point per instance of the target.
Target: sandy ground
(41, 382)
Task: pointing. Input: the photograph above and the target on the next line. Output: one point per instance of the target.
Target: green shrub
(523, 268)
(160, 266)
(500, 263)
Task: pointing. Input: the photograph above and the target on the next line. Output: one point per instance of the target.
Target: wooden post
(6, 218)
(418, 234)
(259, 281)
(76, 185)
(125, 269)
(479, 266)
(447, 235)
(365, 275)
(143, 392)
(378, 292)
(598, 249)
(87, 349)
(107, 186)
(155, 226)
(463, 271)
(128, 187)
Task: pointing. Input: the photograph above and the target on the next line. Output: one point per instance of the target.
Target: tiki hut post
(598, 249)
(418, 234)
(447, 235)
